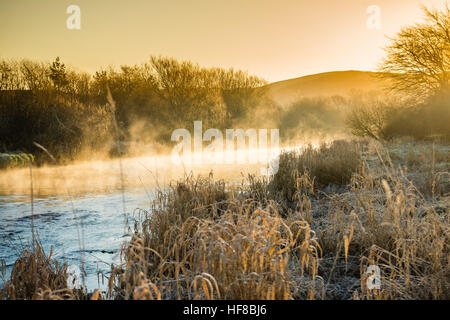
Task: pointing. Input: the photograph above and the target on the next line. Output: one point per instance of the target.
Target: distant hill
(324, 84)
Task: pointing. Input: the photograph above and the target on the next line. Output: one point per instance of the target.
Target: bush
(369, 115)
(65, 128)
(390, 117)
(425, 121)
(310, 118)
(329, 164)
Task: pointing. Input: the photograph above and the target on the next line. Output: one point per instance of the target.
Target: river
(81, 207)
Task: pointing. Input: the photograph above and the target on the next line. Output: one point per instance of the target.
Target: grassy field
(309, 232)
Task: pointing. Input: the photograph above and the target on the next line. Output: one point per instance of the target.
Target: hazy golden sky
(275, 39)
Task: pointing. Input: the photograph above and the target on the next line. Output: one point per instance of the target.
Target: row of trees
(183, 88)
(51, 102)
(67, 110)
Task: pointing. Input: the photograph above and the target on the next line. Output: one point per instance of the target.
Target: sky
(274, 39)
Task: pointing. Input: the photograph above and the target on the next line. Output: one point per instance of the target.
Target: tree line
(68, 110)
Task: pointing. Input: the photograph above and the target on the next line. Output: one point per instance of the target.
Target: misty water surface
(86, 199)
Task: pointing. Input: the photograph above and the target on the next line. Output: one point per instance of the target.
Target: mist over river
(81, 206)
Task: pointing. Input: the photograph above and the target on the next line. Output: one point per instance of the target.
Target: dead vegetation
(329, 165)
(35, 275)
(206, 241)
(294, 236)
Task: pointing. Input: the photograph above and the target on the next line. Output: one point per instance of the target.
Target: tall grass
(35, 275)
(329, 165)
(204, 242)
(216, 245)
(203, 239)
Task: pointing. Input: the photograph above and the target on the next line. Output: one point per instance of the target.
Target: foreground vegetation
(309, 232)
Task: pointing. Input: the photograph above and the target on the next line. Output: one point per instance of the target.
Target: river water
(81, 206)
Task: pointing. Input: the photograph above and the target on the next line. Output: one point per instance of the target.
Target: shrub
(328, 164)
(309, 118)
(428, 120)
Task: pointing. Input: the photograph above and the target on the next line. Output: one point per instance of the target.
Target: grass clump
(35, 275)
(385, 221)
(238, 250)
(331, 164)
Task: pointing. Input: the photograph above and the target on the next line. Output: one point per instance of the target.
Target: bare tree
(211, 94)
(369, 114)
(418, 59)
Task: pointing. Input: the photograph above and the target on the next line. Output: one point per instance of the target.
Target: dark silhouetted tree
(58, 74)
(418, 58)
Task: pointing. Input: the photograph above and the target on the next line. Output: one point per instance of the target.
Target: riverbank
(309, 232)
